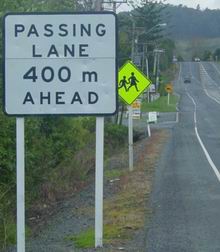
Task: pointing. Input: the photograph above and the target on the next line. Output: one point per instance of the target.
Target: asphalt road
(186, 193)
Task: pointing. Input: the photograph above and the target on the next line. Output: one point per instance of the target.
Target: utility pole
(133, 41)
(114, 7)
(98, 5)
(145, 61)
(155, 63)
(158, 71)
(157, 53)
(155, 69)
(114, 3)
(118, 117)
(143, 57)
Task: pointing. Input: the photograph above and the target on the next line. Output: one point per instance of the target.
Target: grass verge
(86, 239)
(126, 211)
(161, 104)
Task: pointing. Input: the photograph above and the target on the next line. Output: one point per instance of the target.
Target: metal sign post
(99, 172)
(130, 138)
(20, 184)
(99, 182)
(169, 90)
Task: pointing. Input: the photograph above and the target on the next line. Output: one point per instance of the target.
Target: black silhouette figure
(123, 83)
(133, 81)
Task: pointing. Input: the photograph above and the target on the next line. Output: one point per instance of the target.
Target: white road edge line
(211, 97)
(180, 71)
(213, 64)
(168, 122)
(205, 90)
(177, 117)
(208, 156)
(201, 143)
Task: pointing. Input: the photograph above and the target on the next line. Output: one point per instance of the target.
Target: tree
(216, 54)
(143, 18)
(167, 58)
(180, 58)
(148, 15)
(207, 55)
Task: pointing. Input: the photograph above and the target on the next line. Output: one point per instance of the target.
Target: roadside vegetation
(59, 162)
(161, 104)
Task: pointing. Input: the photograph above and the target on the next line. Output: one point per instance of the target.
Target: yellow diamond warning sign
(169, 88)
(131, 82)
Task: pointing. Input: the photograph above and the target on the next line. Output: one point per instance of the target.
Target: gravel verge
(77, 213)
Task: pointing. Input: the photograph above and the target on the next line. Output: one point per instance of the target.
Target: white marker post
(168, 99)
(148, 130)
(130, 137)
(99, 182)
(20, 184)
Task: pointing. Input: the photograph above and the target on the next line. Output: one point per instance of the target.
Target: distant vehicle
(187, 79)
(197, 59)
(175, 59)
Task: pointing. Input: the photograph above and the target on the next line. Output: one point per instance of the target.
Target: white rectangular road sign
(60, 63)
(152, 117)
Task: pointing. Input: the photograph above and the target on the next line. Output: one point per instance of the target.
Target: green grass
(86, 239)
(160, 105)
(113, 173)
(9, 234)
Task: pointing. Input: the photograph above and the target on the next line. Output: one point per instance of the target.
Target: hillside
(188, 48)
(193, 30)
(189, 23)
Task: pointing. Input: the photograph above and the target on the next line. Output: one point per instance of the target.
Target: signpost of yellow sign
(169, 90)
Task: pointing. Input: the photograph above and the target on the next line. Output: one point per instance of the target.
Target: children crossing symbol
(122, 84)
(132, 82)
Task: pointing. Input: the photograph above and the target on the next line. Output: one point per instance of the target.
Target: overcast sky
(211, 4)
